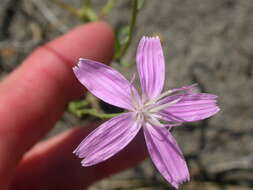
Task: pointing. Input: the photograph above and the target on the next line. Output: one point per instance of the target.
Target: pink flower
(155, 112)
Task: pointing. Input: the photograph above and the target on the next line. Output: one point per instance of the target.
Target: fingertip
(43, 85)
(52, 163)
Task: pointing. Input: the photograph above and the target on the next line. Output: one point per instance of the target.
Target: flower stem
(94, 112)
(78, 109)
(74, 106)
(87, 14)
(131, 30)
(72, 10)
(107, 8)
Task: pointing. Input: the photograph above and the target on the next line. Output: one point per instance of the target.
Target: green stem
(107, 8)
(87, 14)
(131, 28)
(93, 112)
(65, 6)
(73, 107)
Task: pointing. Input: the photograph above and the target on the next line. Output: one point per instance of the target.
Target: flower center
(145, 114)
(148, 111)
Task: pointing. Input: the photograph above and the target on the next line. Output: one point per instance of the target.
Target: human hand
(34, 97)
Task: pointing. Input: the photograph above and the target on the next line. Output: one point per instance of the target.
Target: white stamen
(166, 123)
(154, 100)
(157, 116)
(154, 122)
(163, 106)
(133, 98)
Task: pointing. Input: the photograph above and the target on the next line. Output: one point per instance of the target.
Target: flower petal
(105, 83)
(166, 155)
(108, 139)
(151, 67)
(190, 107)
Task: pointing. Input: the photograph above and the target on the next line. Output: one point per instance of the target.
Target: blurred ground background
(209, 42)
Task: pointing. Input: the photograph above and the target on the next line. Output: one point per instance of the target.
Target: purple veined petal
(166, 155)
(151, 66)
(105, 83)
(191, 107)
(108, 139)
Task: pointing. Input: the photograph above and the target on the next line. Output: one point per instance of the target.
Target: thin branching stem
(74, 106)
(95, 113)
(131, 28)
(72, 10)
(107, 8)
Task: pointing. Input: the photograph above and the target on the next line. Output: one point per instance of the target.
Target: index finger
(34, 96)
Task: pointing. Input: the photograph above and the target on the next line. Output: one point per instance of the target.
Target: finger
(52, 165)
(34, 96)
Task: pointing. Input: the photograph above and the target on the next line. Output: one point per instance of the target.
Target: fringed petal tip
(216, 111)
(85, 164)
(76, 152)
(80, 61)
(150, 38)
(78, 66)
(75, 68)
(176, 184)
(184, 179)
(88, 163)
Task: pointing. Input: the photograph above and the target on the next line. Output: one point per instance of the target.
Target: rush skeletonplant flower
(153, 111)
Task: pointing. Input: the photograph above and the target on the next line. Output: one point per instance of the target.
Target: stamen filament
(154, 100)
(133, 98)
(154, 122)
(163, 106)
(166, 123)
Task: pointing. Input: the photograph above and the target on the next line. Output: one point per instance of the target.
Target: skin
(34, 97)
